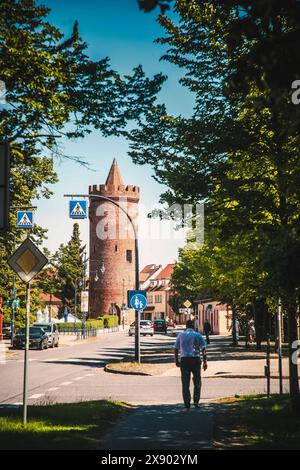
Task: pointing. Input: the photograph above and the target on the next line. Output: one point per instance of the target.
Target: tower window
(116, 248)
(129, 256)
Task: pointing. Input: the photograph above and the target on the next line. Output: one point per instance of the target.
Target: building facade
(218, 315)
(159, 291)
(112, 245)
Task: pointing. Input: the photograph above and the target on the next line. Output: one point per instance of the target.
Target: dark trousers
(207, 337)
(188, 366)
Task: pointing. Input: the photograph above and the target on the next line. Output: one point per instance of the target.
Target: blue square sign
(24, 219)
(78, 209)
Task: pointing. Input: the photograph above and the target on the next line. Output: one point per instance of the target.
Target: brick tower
(112, 257)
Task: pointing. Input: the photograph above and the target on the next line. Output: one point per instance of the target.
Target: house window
(129, 256)
(158, 299)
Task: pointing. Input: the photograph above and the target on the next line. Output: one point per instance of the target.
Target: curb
(112, 371)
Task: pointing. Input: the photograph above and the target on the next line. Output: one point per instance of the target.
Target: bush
(106, 321)
(109, 321)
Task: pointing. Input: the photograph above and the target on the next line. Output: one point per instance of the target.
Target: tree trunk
(293, 367)
(234, 332)
(259, 309)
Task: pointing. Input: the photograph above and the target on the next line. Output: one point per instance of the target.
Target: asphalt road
(75, 373)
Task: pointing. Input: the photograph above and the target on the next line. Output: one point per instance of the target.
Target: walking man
(207, 331)
(188, 345)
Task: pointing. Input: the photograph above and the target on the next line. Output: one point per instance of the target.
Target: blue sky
(119, 30)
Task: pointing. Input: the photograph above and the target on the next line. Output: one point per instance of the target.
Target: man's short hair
(190, 324)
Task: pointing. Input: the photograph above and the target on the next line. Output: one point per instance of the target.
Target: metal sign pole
(280, 348)
(138, 337)
(25, 381)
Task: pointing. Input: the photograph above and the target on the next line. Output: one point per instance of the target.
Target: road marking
(78, 378)
(37, 395)
(65, 383)
(89, 375)
(52, 389)
(19, 403)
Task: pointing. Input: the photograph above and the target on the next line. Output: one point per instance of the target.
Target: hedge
(106, 321)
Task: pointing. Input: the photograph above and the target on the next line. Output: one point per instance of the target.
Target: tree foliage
(239, 150)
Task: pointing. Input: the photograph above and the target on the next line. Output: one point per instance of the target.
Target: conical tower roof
(114, 176)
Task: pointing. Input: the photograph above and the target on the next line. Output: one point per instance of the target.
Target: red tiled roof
(149, 268)
(147, 271)
(166, 273)
(46, 298)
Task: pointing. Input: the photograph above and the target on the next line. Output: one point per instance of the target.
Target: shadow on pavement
(164, 427)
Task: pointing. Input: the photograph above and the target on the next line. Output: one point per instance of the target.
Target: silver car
(52, 331)
(146, 328)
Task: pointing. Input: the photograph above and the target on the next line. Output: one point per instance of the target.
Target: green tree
(69, 265)
(238, 152)
(53, 91)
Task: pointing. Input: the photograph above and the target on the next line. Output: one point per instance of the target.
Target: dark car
(160, 326)
(6, 330)
(38, 338)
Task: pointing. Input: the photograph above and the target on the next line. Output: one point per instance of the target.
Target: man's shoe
(187, 405)
(196, 405)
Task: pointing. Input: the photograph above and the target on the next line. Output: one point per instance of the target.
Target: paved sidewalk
(235, 362)
(159, 427)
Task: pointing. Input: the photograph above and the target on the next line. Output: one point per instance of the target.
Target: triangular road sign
(78, 209)
(24, 219)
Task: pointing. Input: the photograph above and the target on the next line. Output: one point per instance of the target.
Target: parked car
(171, 324)
(160, 326)
(146, 328)
(38, 338)
(52, 331)
(6, 330)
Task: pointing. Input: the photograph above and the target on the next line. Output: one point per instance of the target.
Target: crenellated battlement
(130, 191)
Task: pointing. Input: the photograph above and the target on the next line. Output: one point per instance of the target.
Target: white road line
(52, 389)
(37, 395)
(78, 378)
(89, 375)
(65, 383)
(19, 403)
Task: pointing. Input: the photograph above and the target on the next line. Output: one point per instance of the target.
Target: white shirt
(189, 343)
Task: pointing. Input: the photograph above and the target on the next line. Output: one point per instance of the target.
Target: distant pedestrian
(207, 330)
(188, 346)
(251, 326)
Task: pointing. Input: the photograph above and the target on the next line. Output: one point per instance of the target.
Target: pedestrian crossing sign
(24, 219)
(78, 209)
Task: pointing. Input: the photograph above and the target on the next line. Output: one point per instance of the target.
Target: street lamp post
(136, 250)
